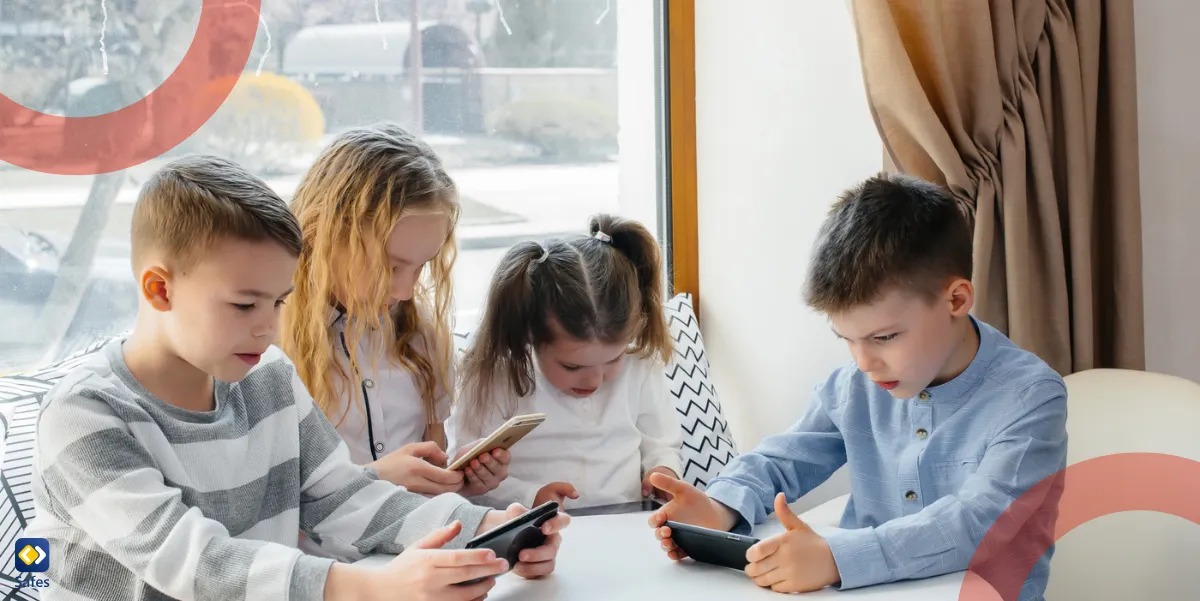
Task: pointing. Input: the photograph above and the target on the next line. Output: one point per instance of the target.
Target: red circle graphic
(118, 140)
(1072, 497)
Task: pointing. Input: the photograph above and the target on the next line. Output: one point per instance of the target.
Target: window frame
(679, 173)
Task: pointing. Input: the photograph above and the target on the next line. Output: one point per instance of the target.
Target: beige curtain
(1026, 110)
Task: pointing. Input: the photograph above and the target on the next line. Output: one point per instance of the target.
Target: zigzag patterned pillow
(707, 442)
(20, 402)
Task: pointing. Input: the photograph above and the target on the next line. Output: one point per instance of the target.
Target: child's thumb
(440, 537)
(666, 483)
(786, 516)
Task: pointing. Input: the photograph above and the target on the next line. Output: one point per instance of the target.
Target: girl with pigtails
(574, 328)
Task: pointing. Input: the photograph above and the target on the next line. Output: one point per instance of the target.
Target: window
(545, 111)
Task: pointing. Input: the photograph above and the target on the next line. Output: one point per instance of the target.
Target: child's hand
(555, 491)
(425, 571)
(539, 561)
(797, 561)
(688, 505)
(486, 472)
(416, 467)
(649, 489)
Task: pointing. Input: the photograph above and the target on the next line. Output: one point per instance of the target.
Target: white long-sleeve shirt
(603, 445)
(388, 393)
(389, 412)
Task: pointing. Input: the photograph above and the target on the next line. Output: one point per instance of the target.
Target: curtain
(1026, 110)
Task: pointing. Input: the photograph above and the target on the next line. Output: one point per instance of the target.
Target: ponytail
(501, 352)
(637, 244)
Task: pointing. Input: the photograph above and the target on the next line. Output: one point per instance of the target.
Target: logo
(32, 555)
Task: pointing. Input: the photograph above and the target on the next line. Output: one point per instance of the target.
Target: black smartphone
(516, 535)
(712, 546)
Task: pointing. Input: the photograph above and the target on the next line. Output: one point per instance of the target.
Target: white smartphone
(504, 437)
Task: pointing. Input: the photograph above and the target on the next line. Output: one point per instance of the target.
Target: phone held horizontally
(516, 535)
(710, 546)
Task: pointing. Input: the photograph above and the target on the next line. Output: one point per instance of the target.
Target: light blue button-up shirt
(929, 475)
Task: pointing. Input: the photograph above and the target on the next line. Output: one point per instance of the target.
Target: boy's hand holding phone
(423, 572)
(539, 561)
(688, 505)
(796, 561)
(649, 489)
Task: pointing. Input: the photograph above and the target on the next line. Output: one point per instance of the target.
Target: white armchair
(1136, 555)
(1126, 556)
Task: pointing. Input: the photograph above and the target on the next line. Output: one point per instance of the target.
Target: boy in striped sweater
(182, 461)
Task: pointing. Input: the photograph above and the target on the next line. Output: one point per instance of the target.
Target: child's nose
(593, 380)
(867, 361)
(266, 330)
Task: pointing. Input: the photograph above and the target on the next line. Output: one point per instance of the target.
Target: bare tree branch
(153, 35)
(75, 267)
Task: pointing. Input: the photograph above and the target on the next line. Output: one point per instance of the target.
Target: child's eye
(280, 303)
(241, 307)
(570, 368)
(886, 337)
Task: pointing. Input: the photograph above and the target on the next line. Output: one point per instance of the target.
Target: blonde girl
(368, 326)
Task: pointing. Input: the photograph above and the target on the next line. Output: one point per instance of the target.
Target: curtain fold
(1026, 110)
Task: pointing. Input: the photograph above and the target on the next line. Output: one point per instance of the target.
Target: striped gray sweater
(143, 500)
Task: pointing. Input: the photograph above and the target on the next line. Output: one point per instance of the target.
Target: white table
(617, 557)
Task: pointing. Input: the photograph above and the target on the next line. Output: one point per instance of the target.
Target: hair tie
(545, 255)
(603, 237)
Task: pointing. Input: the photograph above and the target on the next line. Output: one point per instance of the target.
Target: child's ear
(962, 297)
(154, 286)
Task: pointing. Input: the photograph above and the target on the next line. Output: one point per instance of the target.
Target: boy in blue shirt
(943, 421)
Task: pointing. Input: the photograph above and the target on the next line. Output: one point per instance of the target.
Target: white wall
(782, 128)
(1169, 143)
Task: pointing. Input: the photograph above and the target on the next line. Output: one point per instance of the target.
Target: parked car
(29, 265)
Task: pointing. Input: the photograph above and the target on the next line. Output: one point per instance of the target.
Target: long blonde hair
(363, 183)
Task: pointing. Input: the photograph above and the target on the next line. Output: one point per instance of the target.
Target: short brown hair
(891, 231)
(193, 202)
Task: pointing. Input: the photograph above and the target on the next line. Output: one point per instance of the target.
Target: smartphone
(516, 535)
(618, 508)
(715, 547)
(504, 437)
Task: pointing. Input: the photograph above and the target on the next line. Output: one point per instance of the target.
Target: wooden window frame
(680, 148)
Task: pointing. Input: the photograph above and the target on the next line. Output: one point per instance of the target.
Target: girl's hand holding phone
(416, 467)
(484, 473)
